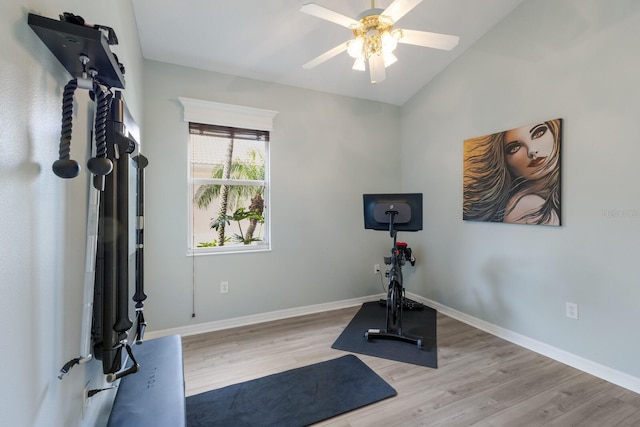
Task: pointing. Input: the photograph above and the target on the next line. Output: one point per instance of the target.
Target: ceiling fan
(375, 36)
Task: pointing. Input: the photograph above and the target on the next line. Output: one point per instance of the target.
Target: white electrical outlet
(376, 268)
(224, 287)
(572, 310)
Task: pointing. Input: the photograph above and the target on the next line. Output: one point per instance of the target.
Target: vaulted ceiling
(270, 40)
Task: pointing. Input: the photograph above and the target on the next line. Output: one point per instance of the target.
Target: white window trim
(237, 116)
(216, 113)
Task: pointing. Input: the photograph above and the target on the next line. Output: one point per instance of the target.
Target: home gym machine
(111, 321)
(115, 230)
(83, 49)
(394, 212)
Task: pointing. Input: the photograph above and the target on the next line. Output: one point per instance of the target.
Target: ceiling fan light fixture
(389, 42)
(354, 48)
(375, 39)
(373, 43)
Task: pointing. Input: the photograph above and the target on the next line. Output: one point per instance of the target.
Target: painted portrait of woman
(514, 176)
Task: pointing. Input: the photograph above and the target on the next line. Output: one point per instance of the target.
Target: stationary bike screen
(407, 208)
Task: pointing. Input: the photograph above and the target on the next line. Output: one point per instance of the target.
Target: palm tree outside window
(229, 188)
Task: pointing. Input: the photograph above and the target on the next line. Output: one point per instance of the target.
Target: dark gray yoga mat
(298, 397)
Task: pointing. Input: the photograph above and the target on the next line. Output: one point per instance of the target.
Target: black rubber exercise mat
(372, 315)
(298, 397)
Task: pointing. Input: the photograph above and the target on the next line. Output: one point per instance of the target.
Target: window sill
(228, 250)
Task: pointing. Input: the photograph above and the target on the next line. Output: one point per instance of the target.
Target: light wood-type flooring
(481, 380)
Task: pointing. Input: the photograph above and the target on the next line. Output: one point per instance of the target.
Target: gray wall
(42, 231)
(574, 59)
(326, 151)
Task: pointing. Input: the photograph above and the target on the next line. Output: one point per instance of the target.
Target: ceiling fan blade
(399, 8)
(329, 15)
(376, 69)
(326, 56)
(427, 39)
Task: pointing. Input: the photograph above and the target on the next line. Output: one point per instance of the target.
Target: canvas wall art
(513, 176)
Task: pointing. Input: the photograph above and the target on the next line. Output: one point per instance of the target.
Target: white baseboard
(235, 322)
(604, 372)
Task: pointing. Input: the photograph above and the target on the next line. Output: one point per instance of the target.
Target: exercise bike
(400, 253)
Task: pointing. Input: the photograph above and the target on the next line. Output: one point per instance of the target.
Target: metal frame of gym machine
(111, 298)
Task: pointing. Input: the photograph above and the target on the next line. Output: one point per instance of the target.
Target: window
(228, 177)
(228, 183)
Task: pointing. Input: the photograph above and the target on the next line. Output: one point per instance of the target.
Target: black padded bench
(155, 395)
